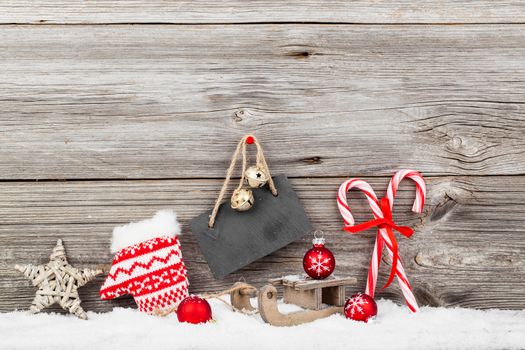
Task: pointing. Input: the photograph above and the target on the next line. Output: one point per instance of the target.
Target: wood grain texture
(237, 11)
(83, 102)
(361, 90)
(468, 249)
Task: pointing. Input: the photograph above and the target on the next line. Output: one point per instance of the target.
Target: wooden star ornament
(58, 282)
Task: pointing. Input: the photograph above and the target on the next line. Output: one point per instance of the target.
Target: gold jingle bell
(256, 176)
(242, 199)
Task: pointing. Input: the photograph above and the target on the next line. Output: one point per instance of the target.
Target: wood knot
(468, 147)
(427, 296)
(239, 115)
(419, 259)
(443, 208)
(312, 160)
(299, 54)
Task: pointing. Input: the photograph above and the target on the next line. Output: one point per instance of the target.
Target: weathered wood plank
(83, 102)
(468, 248)
(237, 11)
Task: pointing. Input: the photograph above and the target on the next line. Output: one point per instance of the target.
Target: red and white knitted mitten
(148, 264)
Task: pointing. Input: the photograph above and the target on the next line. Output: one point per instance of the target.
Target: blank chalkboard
(239, 238)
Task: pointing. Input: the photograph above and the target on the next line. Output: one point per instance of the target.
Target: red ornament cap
(250, 140)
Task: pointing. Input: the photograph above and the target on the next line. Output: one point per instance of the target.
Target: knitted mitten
(148, 264)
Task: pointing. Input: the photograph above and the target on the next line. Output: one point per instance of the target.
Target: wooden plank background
(120, 108)
(256, 11)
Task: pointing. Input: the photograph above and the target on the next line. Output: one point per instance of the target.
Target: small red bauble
(194, 309)
(360, 307)
(250, 140)
(319, 262)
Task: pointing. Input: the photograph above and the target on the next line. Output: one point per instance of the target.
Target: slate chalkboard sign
(239, 238)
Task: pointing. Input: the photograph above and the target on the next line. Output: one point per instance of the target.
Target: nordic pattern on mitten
(152, 271)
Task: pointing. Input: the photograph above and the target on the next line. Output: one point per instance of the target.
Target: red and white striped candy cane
(417, 207)
(383, 219)
(348, 219)
(421, 188)
(362, 185)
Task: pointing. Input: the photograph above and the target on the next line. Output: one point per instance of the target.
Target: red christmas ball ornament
(194, 309)
(360, 307)
(250, 140)
(319, 262)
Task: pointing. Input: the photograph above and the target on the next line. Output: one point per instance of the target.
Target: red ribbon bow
(388, 224)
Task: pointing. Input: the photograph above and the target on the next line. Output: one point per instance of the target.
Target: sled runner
(321, 298)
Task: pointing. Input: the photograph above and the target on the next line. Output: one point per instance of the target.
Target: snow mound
(394, 328)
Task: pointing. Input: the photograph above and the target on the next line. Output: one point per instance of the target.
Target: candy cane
(382, 237)
(348, 219)
(417, 207)
(366, 189)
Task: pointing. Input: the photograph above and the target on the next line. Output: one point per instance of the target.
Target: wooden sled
(240, 297)
(323, 298)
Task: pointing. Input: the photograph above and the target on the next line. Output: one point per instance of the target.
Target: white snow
(163, 223)
(294, 278)
(394, 328)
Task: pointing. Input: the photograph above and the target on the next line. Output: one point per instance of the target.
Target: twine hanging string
(261, 162)
(216, 295)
